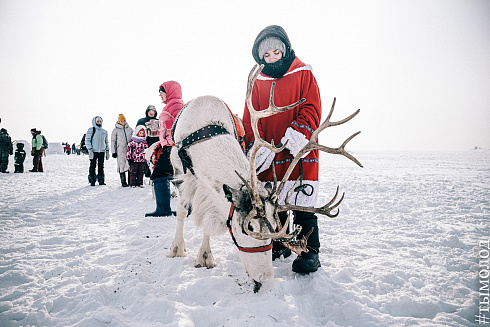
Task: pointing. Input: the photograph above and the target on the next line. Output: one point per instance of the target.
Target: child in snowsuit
(136, 156)
(19, 157)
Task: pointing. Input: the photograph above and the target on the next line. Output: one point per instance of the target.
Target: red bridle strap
(241, 248)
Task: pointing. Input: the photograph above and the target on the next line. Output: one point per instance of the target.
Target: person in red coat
(294, 81)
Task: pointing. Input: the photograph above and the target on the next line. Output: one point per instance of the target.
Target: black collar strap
(203, 134)
(243, 249)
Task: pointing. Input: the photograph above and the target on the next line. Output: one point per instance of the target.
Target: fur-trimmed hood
(272, 31)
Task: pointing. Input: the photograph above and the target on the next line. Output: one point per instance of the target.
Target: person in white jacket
(121, 134)
(97, 144)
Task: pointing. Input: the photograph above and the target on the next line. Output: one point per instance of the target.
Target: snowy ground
(403, 252)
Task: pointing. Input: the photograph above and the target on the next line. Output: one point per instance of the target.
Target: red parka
(296, 84)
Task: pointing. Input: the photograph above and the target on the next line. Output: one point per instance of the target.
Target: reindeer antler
(259, 142)
(258, 210)
(313, 145)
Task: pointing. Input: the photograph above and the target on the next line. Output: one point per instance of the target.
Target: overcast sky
(418, 70)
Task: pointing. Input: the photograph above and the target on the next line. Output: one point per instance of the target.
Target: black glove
(114, 155)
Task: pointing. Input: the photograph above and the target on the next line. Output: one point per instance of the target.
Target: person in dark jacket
(150, 121)
(19, 157)
(150, 115)
(6, 149)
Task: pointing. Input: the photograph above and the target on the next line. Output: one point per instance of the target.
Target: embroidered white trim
(266, 78)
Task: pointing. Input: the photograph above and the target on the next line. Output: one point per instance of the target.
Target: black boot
(101, 179)
(123, 179)
(162, 195)
(91, 179)
(307, 262)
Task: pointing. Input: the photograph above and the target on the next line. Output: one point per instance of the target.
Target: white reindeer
(219, 184)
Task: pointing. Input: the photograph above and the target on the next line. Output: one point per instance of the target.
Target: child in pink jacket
(136, 155)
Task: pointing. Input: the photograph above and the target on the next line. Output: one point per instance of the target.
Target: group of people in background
(70, 149)
(6, 150)
(146, 149)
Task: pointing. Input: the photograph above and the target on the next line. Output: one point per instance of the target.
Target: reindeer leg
(205, 256)
(177, 249)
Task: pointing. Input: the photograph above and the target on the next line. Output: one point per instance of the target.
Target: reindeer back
(201, 112)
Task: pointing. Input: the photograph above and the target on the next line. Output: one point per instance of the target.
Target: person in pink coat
(171, 94)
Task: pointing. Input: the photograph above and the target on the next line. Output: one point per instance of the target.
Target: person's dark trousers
(4, 160)
(97, 160)
(307, 221)
(277, 248)
(161, 186)
(19, 168)
(137, 173)
(37, 162)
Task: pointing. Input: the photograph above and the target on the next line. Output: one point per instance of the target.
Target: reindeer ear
(239, 198)
(230, 194)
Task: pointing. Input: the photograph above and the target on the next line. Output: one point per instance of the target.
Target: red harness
(241, 248)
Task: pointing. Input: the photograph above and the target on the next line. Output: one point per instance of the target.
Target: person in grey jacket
(120, 137)
(98, 146)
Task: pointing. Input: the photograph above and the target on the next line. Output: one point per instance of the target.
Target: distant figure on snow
(19, 157)
(37, 151)
(6, 149)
